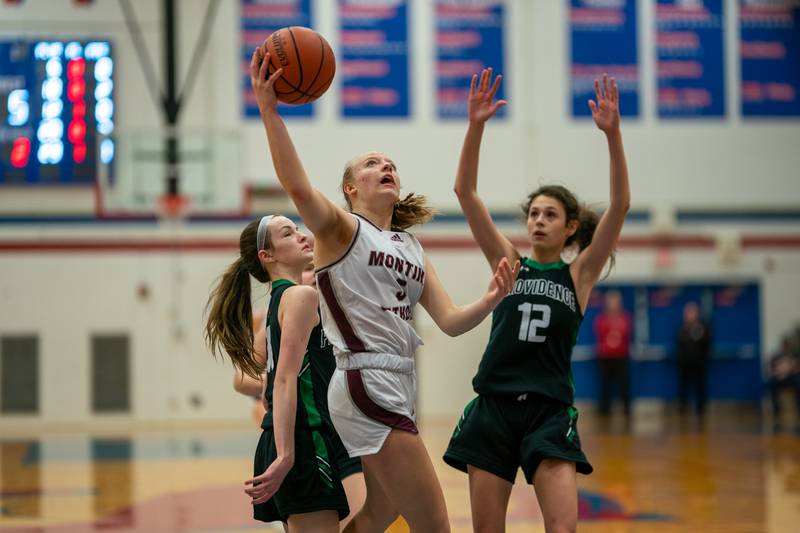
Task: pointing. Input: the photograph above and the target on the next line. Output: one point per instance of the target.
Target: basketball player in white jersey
(371, 273)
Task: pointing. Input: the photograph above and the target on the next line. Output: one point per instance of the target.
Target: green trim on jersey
(572, 432)
(279, 283)
(543, 266)
(306, 389)
(464, 415)
(323, 460)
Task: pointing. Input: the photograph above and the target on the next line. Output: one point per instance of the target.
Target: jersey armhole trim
(347, 251)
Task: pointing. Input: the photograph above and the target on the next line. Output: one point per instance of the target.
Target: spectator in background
(612, 329)
(694, 353)
(784, 373)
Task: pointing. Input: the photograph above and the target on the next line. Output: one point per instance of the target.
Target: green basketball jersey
(533, 331)
(315, 372)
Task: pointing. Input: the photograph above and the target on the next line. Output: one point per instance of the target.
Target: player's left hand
(481, 105)
(605, 111)
(264, 486)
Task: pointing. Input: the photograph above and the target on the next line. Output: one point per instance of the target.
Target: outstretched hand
(481, 105)
(263, 86)
(502, 281)
(605, 111)
(263, 487)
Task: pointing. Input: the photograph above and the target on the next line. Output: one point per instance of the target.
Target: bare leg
(557, 492)
(356, 490)
(404, 471)
(376, 512)
(488, 496)
(321, 521)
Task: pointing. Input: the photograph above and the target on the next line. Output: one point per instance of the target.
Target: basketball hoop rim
(173, 206)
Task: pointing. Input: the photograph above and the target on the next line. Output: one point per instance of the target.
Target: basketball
(307, 61)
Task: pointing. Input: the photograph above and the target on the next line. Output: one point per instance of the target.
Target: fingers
(498, 105)
(260, 495)
(473, 84)
(605, 85)
(275, 75)
(597, 90)
(505, 275)
(593, 106)
(485, 80)
(259, 492)
(614, 91)
(495, 85)
(264, 497)
(255, 64)
(262, 72)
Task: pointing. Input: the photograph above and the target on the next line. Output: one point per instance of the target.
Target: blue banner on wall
(469, 38)
(603, 40)
(770, 49)
(690, 67)
(258, 20)
(374, 58)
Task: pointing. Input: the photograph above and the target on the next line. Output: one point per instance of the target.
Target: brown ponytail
(586, 217)
(229, 326)
(410, 211)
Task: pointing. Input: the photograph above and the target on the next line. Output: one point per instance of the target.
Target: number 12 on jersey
(528, 325)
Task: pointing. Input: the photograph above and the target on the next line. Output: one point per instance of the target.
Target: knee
(488, 520)
(386, 519)
(561, 524)
(562, 528)
(487, 526)
(379, 516)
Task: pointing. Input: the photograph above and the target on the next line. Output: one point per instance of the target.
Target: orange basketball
(307, 61)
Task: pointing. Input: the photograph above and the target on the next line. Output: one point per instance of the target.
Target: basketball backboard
(134, 182)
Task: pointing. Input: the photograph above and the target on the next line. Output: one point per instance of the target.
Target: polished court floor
(734, 473)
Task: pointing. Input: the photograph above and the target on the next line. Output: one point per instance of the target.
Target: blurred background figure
(783, 377)
(612, 329)
(693, 355)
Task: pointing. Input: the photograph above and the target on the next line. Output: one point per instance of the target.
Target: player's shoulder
(300, 293)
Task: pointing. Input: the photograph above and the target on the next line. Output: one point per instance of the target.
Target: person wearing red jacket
(612, 329)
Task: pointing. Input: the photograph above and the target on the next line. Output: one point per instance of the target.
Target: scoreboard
(56, 111)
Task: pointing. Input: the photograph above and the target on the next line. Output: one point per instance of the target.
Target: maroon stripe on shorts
(362, 400)
(354, 344)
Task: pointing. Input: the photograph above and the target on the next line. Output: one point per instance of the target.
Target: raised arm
(327, 221)
(297, 316)
(481, 107)
(588, 265)
(455, 320)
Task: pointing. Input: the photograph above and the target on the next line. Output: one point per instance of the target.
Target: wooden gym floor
(663, 474)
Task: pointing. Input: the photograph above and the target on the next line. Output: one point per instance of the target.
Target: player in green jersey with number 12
(523, 415)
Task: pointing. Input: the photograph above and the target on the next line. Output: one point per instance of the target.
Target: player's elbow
(621, 206)
(463, 192)
(451, 329)
(238, 383)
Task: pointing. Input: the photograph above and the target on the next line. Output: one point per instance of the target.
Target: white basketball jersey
(368, 298)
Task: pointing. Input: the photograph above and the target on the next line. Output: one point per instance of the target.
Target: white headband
(261, 235)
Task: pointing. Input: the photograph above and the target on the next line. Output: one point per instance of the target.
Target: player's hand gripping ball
(307, 61)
